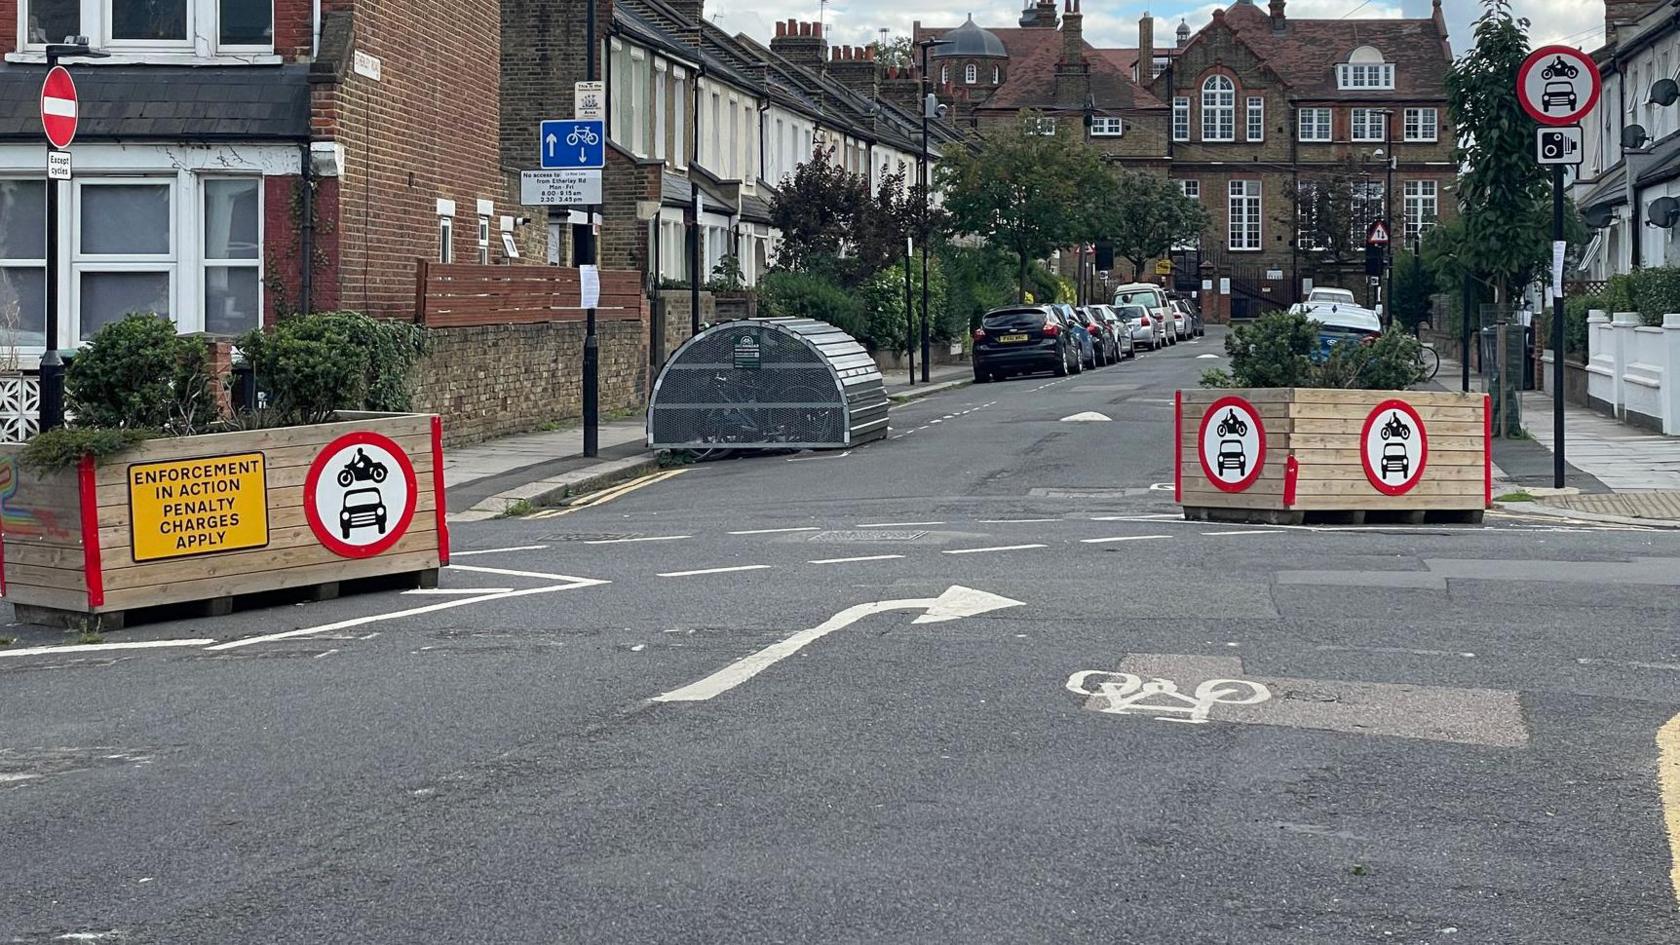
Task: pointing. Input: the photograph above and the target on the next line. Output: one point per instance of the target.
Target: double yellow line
(1668, 788)
(609, 494)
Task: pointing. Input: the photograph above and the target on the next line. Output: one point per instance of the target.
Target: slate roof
(175, 103)
(1031, 78)
(1304, 55)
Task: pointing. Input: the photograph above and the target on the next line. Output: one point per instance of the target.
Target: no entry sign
(1394, 447)
(1557, 85)
(58, 107)
(359, 494)
(1232, 444)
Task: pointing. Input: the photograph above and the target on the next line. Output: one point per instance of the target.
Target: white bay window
(186, 28)
(23, 263)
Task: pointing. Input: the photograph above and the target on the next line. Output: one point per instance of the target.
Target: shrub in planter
(137, 373)
(1277, 350)
(312, 365)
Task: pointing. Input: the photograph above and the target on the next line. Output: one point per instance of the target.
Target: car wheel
(1061, 369)
(981, 377)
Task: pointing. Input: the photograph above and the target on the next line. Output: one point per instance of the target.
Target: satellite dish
(1598, 216)
(1664, 212)
(1665, 91)
(1634, 136)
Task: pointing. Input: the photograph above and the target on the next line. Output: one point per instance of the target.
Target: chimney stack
(1146, 49)
(1043, 15)
(855, 67)
(1276, 6)
(1073, 38)
(801, 44)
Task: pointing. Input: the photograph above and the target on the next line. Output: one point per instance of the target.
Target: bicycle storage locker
(768, 383)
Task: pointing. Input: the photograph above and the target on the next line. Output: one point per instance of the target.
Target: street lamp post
(922, 178)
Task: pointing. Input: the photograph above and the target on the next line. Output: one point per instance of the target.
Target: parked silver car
(1153, 298)
(1147, 330)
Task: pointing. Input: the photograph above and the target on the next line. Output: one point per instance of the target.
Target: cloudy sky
(1110, 23)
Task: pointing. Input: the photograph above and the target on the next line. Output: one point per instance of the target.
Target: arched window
(944, 75)
(997, 75)
(1219, 109)
(971, 74)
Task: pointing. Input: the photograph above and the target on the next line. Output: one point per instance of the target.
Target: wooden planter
(206, 518)
(1283, 455)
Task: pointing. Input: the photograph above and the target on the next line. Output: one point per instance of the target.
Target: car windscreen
(1132, 312)
(1013, 320)
(1145, 297)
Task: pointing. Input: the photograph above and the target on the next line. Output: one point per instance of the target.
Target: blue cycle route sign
(572, 144)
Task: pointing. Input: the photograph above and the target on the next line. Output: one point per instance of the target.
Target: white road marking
(1396, 649)
(1151, 517)
(1088, 416)
(325, 653)
(807, 459)
(506, 572)
(1636, 664)
(626, 541)
(955, 603)
(99, 647)
(1243, 531)
(574, 583)
(1105, 541)
(896, 524)
(981, 551)
(743, 567)
(457, 591)
(1013, 521)
(849, 560)
(1201, 356)
(495, 551)
(775, 531)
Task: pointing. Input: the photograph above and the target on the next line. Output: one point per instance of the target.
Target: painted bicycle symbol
(1396, 427)
(1560, 67)
(579, 136)
(1232, 425)
(1127, 694)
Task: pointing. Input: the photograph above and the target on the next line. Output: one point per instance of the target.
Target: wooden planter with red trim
(208, 518)
(1285, 454)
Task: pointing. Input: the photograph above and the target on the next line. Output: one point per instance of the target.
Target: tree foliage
(817, 208)
(1413, 286)
(138, 373)
(1144, 216)
(1334, 209)
(1503, 194)
(1022, 191)
(898, 52)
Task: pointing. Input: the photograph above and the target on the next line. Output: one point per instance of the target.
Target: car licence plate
(1006, 339)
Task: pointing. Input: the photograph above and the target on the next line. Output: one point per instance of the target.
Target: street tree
(898, 51)
(1333, 210)
(1503, 194)
(1020, 190)
(818, 209)
(1145, 216)
(1413, 286)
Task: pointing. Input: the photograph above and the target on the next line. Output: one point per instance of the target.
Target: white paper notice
(1558, 248)
(590, 278)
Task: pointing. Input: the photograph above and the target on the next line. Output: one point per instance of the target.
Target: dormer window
(1365, 69)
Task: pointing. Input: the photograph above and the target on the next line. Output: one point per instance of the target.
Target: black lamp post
(52, 363)
(928, 107)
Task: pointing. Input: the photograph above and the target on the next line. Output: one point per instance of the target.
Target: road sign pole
(591, 344)
(52, 364)
(1557, 337)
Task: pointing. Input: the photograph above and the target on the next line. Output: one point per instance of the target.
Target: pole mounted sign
(1558, 85)
(571, 145)
(1377, 234)
(58, 107)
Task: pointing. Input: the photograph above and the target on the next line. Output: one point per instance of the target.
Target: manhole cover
(589, 536)
(873, 534)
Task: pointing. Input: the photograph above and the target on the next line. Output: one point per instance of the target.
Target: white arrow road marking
(1668, 783)
(1089, 416)
(957, 602)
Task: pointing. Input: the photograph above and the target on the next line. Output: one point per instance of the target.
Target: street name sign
(571, 145)
(574, 188)
(58, 107)
(1558, 85)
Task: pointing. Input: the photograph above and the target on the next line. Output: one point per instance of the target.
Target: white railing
(1633, 370)
(20, 407)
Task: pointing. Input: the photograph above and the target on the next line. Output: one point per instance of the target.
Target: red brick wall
(8, 26)
(428, 129)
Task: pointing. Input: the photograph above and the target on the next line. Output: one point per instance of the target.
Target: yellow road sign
(1163, 267)
(188, 507)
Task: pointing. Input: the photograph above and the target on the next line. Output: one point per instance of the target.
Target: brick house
(239, 159)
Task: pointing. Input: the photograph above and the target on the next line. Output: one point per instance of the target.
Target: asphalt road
(1070, 716)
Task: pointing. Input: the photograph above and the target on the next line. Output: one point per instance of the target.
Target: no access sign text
(572, 188)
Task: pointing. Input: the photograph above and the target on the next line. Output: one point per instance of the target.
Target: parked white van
(1154, 299)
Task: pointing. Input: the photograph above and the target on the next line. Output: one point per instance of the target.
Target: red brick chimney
(1146, 49)
(1041, 15)
(1276, 6)
(855, 68)
(801, 44)
(1073, 39)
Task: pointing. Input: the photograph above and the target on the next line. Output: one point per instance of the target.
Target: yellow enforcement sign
(1163, 267)
(189, 507)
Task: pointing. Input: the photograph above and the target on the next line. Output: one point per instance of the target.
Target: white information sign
(560, 188)
(589, 101)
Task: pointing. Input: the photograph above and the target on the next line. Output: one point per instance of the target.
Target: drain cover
(872, 534)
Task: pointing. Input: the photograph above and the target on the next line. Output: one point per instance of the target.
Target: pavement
(976, 683)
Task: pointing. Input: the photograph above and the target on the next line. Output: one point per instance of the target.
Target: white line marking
(896, 524)
(1012, 521)
(981, 551)
(1104, 541)
(97, 647)
(1244, 531)
(955, 603)
(1155, 516)
(505, 572)
(411, 612)
(743, 567)
(325, 653)
(849, 560)
(626, 541)
(1636, 664)
(458, 591)
(495, 551)
(776, 531)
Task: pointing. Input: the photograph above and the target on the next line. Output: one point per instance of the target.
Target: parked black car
(1021, 339)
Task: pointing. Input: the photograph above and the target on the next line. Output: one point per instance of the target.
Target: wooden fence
(454, 295)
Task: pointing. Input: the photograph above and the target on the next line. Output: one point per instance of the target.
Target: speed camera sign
(1557, 85)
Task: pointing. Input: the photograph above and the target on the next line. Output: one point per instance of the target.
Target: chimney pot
(816, 29)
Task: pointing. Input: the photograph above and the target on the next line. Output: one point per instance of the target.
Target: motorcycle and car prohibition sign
(1394, 447)
(359, 495)
(1231, 444)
